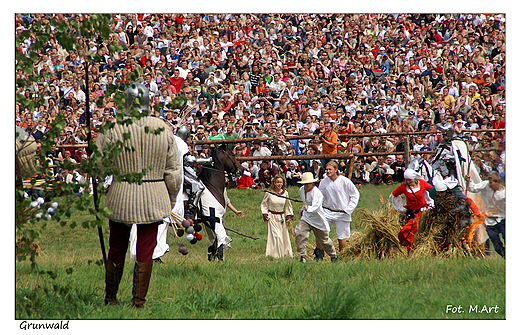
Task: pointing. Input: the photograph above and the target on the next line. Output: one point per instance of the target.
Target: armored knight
(444, 159)
(194, 187)
(137, 98)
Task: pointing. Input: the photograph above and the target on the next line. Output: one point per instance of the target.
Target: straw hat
(307, 178)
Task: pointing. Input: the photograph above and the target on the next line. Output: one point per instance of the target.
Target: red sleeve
(399, 190)
(425, 185)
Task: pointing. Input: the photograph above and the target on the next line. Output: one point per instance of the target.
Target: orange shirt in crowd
(330, 149)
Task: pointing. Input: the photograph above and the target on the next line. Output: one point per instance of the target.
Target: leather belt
(148, 181)
(270, 211)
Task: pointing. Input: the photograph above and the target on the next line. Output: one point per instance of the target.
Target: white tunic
(179, 201)
(339, 194)
(208, 201)
(314, 215)
(494, 201)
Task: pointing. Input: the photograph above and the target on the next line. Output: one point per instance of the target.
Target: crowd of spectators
(267, 76)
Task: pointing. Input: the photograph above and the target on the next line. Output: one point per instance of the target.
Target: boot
(142, 274)
(220, 253)
(318, 254)
(113, 275)
(211, 253)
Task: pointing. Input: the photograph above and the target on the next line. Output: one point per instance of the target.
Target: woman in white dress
(276, 211)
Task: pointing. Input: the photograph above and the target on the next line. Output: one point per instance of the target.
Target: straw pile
(440, 233)
(379, 241)
(445, 230)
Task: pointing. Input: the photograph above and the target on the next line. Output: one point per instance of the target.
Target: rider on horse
(194, 187)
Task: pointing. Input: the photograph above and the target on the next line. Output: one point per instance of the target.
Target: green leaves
(29, 229)
(157, 131)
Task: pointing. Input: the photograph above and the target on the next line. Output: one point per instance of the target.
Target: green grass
(248, 285)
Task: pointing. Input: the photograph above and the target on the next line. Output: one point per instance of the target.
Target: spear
(298, 200)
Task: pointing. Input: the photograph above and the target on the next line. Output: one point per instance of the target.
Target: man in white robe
(339, 193)
(313, 218)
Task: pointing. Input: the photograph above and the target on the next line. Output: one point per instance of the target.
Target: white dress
(277, 208)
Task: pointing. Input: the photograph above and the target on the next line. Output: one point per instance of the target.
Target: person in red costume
(415, 191)
(246, 180)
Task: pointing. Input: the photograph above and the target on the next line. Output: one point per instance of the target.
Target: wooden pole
(406, 150)
(89, 153)
(241, 234)
(300, 157)
(291, 137)
(298, 200)
(351, 167)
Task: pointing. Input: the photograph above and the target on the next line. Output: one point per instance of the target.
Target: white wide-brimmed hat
(308, 178)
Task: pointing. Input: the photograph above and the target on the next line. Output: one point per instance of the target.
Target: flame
(478, 219)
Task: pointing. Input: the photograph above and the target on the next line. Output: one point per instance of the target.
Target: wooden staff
(242, 234)
(89, 154)
(178, 218)
(297, 200)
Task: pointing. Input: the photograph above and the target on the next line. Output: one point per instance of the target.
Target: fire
(478, 219)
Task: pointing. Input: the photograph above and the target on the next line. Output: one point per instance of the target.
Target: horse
(212, 205)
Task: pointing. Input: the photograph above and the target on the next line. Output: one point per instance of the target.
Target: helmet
(183, 132)
(447, 131)
(138, 96)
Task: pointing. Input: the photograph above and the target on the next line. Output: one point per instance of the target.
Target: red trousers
(119, 240)
(407, 233)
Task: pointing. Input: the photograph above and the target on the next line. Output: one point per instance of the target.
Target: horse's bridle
(237, 168)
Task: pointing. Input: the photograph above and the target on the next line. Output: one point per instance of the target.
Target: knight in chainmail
(194, 187)
(444, 158)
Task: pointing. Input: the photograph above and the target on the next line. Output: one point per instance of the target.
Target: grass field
(248, 285)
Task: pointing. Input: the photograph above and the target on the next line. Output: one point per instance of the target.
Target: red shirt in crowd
(176, 84)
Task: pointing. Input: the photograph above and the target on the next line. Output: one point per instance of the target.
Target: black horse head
(214, 177)
(224, 160)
